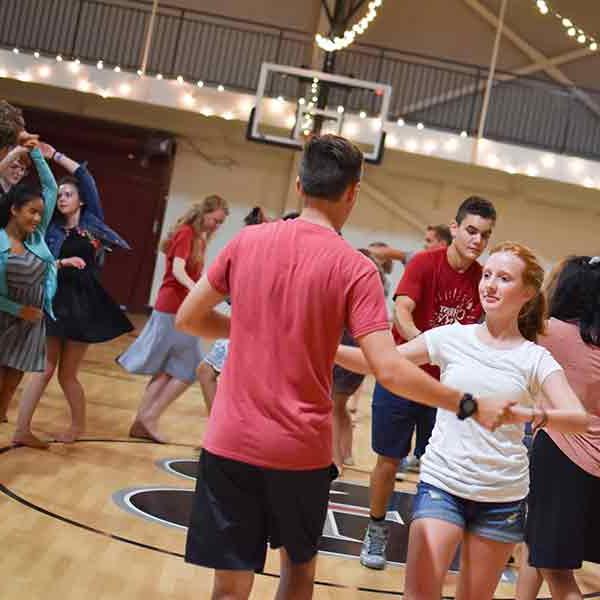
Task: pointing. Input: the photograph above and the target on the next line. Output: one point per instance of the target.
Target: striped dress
(23, 343)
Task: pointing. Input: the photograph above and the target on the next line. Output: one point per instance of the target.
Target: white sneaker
(410, 464)
(372, 554)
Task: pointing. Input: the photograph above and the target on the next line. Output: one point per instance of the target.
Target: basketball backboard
(293, 103)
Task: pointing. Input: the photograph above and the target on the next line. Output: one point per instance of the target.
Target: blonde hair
(532, 317)
(195, 214)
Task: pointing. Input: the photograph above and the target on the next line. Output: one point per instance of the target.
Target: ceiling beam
(533, 53)
(466, 90)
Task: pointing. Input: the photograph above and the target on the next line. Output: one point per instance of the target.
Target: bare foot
(27, 438)
(69, 436)
(144, 432)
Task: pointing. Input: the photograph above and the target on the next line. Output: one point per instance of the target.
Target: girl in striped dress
(27, 279)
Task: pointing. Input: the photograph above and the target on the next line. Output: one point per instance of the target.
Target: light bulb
(59, 58)
(340, 109)
(100, 65)
(15, 51)
(36, 54)
(180, 80)
(400, 122)
(117, 69)
(220, 88)
(362, 114)
(594, 46)
(420, 126)
(200, 83)
(159, 76)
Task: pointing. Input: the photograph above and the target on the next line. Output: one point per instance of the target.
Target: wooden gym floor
(67, 534)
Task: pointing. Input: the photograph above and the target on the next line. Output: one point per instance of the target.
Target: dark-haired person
(563, 523)
(474, 483)
(212, 364)
(266, 468)
(27, 279)
(436, 236)
(15, 143)
(85, 313)
(438, 287)
(170, 356)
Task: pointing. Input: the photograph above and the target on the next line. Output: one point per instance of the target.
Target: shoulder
(183, 232)
(427, 258)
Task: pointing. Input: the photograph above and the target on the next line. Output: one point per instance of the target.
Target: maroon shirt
(441, 294)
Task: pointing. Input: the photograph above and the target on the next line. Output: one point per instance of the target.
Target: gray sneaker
(410, 464)
(372, 554)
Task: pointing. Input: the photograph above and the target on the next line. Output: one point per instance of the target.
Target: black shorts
(563, 522)
(346, 382)
(239, 508)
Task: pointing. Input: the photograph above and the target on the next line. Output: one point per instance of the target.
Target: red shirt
(172, 293)
(294, 286)
(442, 295)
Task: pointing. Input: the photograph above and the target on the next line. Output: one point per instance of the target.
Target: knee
(558, 577)
(205, 373)
(387, 466)
(66, 378)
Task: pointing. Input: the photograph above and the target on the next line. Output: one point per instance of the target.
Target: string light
(341, 42)
(571, 28)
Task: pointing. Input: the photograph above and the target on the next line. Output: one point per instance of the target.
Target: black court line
(14, 496)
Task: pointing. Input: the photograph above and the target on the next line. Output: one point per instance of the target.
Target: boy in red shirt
(266, 467)
(438, 287)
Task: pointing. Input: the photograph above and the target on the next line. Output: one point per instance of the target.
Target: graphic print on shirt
(454, 305)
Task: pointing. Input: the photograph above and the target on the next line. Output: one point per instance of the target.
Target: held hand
(47, 150)
(493, 412)
(73, 261)
(31, 313)
(24, 138)
(521, 414)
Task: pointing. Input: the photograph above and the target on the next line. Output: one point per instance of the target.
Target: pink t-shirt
(581, 363)
(294, 286)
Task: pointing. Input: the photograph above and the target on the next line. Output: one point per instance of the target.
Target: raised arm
(49, 188)
(87, 184)
(353, 359)
(197, 315)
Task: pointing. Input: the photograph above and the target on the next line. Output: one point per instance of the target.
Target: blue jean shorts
(217, 355)
(498, 521)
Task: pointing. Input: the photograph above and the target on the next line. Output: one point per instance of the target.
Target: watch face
(469, 406)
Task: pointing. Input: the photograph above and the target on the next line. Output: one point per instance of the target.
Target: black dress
(84, 311)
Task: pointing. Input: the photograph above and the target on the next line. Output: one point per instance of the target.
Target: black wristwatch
(467, 407)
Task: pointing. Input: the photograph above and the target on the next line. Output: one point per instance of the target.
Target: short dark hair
(294, 214)
(17, 196)
(330, 164)
(476, 205)
(254, 217)
(442, 232)
(576, 296)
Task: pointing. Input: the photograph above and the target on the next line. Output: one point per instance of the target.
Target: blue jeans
(498, 521)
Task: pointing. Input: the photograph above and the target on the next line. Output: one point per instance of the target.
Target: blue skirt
(160, 348)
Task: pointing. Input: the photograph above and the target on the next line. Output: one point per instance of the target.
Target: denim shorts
(498, 521)
(217, 355)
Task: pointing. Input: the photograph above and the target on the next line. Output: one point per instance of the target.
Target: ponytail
(532, 318)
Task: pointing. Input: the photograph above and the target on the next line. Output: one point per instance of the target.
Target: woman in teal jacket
(28, 272)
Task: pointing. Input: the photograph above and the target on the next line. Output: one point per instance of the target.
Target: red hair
(532, 317)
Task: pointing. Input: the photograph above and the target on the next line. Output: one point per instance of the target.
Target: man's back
(294, 285)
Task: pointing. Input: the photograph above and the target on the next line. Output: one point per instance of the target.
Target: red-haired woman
(474, 482)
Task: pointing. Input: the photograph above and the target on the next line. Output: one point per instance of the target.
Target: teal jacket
(35, 242)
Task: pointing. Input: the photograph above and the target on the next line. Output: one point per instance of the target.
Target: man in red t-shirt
(438, 287)
(266, 467)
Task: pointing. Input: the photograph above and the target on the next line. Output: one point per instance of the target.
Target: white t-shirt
(462, 457)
